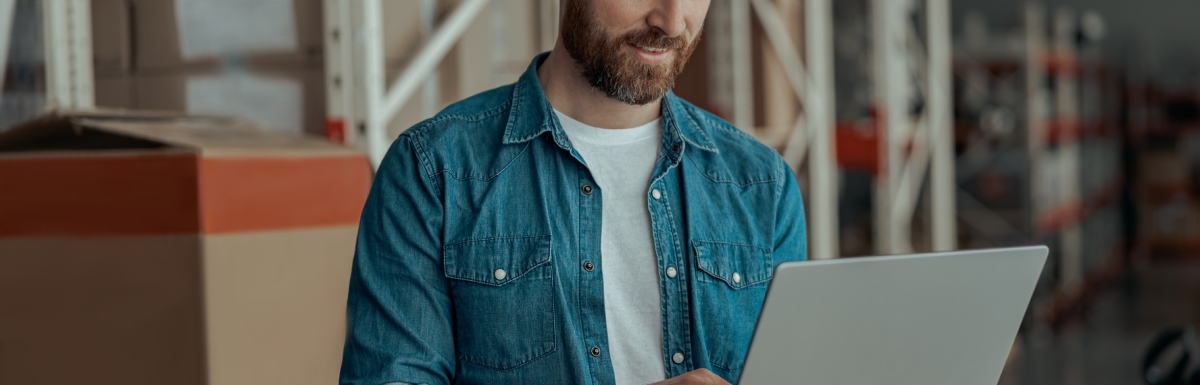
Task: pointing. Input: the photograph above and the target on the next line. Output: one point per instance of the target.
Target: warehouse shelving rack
(915, 147)
(809, 140)
(357, 96)
(67, 42)
(8, 10)
(1075, 163)
(1070, 151)
(360, 103)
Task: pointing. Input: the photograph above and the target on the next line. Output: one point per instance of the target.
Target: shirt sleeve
(791, 230)
(399, 326)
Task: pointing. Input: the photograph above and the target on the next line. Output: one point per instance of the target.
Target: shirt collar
(531, 115)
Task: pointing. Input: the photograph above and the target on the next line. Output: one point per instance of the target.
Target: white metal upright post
(1069, 152)
(67, 34)
(892, 92)
(341, 79)
(383, 103)
(374, 81)
(944, 218)
(912, 147)
(811, 136)
(743, 75)
(8, 10)
(822, 162)
(1035, 106)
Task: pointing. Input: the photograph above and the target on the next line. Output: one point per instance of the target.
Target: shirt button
(500, 274)
(654, 193)
(677, 358)
(587, 189)
(596, 351)
(737, 278)
(675, 147)
(671, 272)
(587, 265)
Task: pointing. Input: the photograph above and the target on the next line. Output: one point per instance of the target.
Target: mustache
(652, 38)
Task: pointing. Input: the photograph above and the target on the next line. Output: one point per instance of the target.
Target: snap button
(737, 278)
(587, 189)
(671, 272)
(595, 351)
(677, 358)
(500, 274)
(587, 265)
(675, 147)
(654, 193)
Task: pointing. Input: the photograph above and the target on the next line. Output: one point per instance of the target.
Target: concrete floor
(1107, 344)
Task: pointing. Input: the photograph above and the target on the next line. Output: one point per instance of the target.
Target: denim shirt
(470, 260)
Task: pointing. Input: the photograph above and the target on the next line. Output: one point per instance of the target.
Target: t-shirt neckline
(577, 130)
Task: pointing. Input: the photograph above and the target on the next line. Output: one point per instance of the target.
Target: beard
(608, 66)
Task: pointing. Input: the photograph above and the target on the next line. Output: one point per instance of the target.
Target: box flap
(53, 132)
(124, 129)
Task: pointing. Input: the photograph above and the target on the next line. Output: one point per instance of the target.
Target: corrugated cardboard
(147, 248)
(260, 60)
(119, 309)
(1164, 167)
(162, 40)
(265, 310)
(111, 38)
(277, 99)
(115, 91)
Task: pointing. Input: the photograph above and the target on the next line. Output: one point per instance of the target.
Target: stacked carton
(151, 249)
(262, 60)
(1168, 216)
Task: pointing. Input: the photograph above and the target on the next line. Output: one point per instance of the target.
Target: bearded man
(582, 225)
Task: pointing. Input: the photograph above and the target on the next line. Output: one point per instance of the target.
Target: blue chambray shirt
(492, 184)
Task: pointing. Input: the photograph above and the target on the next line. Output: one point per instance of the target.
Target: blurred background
(913, 125)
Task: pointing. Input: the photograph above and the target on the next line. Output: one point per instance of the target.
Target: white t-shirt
(622, 162)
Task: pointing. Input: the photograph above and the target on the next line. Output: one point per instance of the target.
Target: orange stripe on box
(247, 194)
(98, 195)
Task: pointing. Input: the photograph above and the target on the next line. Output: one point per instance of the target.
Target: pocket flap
(752, 264)
(496, 261)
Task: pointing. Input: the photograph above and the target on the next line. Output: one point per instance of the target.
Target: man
(583, 225)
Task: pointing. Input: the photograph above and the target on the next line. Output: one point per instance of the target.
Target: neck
(569, 92)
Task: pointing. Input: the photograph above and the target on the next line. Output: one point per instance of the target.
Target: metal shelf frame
(67, 38)
(362, 106)
(357, 92)
(361, 103)
(810, 139)
(911, 147)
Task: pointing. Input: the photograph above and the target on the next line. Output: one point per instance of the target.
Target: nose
(667, 16)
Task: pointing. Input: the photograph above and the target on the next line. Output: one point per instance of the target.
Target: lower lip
(651, 57)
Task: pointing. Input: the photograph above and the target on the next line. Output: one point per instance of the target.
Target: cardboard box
(115, 92)
(199, 34)
(1164, 167)
(1176, 219)
(152, 249)
(111, 37)
(284, 100)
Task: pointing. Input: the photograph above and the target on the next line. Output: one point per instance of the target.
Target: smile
(651, 55)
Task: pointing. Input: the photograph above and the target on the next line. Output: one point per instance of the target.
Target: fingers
(703, 376)
(696, 377)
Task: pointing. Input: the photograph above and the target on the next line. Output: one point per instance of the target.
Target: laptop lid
(938, 318)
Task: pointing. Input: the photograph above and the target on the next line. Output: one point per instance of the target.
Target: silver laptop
(930, 319)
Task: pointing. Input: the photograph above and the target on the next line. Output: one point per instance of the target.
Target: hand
(696, 377)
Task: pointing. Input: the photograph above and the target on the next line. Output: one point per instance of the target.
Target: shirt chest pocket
(503, 293)
(731, 284)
